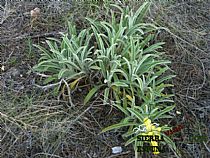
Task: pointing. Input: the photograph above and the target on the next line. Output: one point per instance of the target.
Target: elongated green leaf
(165, 79)
(157, 114)
(119, 125)
(136, 114)
(131, 140)
(171, 144)
(146, 41)
(114, 5)
(150, 64)
(45, 51)
(54, 39)
(74, 75)
(61, 73)
(91, 93)
(141, 12)
(94, 67)
(153, 47)
(119, 84)
(118, 104)
(71, 64)
(134, 30)
(143, 60)
(106, 95)
(161, 70)
(121, 71)
(129, 133)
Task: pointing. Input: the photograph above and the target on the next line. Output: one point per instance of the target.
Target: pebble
(116, 150)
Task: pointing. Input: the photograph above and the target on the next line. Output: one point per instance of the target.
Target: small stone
(3, 68)
(116, 150)
(35, 12)
(178, 112)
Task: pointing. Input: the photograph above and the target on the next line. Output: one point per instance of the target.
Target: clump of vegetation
(117, 58)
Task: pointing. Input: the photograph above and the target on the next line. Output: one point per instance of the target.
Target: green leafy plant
(129, 70)
(123, 53)
(68, 60)
(132, 69)
(136, 121)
